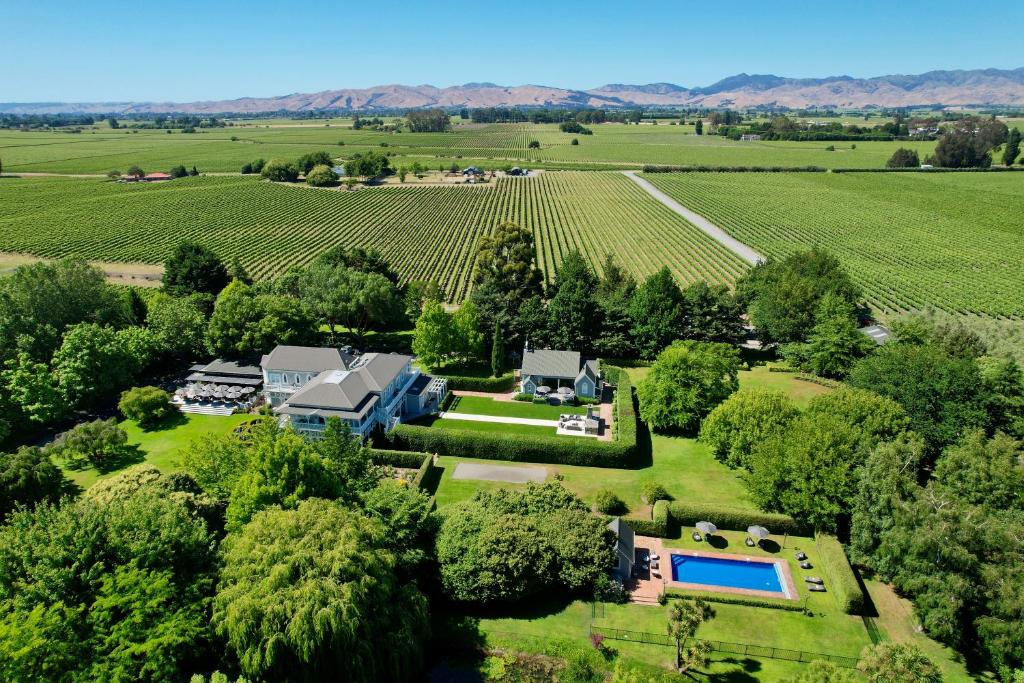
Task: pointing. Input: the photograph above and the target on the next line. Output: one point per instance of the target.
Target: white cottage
(556, 369)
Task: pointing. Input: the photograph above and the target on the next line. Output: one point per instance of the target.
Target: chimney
(590, 411)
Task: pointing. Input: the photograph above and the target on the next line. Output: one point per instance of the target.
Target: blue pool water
(713, 571)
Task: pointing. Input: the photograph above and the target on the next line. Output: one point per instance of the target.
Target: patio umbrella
(758, 532)
(248, 390)
(707, 528)
(542, 390)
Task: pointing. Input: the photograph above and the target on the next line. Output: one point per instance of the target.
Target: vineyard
(951, 241)
(425, 232)
(224, 150)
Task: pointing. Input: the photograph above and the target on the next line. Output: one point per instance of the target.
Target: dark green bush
(524, 397)
(688, 514)
(404, 459)
(516, 447)
(725, 599)
(652, 492)
(609, 503)
(660, 515)
(839, 574)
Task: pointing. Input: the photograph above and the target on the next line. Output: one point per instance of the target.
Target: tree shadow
(744, 674)
(433, 480)
(121, 458)
(170, 421)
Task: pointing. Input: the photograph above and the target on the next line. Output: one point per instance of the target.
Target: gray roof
(229, 367)
(624, 536)
(379, 369)
(589, 368)
(548, 363)
(305, 359)
(878, 333)
(347, 393)
(421, 383)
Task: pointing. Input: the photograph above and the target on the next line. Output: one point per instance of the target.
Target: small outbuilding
(556, 369)
(625, 549)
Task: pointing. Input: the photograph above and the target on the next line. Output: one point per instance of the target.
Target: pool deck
(646, 586)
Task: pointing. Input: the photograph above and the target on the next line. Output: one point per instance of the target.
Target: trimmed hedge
(688, 514)
(405, 459)
(494, 385)
(656, 526)
(424, 471)
(707, 596)
(841, 579)
(624, 408)
(660, 515)
(823, 381)
(515, 447)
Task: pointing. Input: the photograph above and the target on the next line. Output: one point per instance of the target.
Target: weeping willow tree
(310, 594)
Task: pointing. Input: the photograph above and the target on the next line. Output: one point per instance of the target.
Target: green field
(99, 149)
(425, 232)
(480, 405)
(953, 241)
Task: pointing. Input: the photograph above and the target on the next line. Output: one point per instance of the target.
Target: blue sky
(143, 50)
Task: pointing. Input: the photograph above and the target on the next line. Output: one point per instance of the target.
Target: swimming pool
(720, 572)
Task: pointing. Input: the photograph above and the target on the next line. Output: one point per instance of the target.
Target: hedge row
(707, 596)
(624, 410)
(645, 527)
(516, 447)
(424, 471)
(842, 581)
(823, 381)
(660, 515)
(493, 385)
(688, 514)
(405, 459)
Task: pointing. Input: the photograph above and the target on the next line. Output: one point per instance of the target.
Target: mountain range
(945, 88)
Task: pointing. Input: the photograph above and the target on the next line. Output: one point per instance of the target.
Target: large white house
(556, 369)
(307, 385)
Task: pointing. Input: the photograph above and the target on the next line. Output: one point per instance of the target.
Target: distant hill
(947, 88)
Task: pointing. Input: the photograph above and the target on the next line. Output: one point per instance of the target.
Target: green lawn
(759, 377)
(161, 446)
(479, 405)
(500, 427)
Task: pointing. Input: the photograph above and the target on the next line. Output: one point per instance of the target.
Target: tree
(38, 301)
(29, 477)
(428, 121)
(822, 671)
(178, 325)
(1004, 382)
(904, 158)
(897, 663)
(192, 268)
(135, 171)
(305, 592)
(1012, 149)
(307, 162)
(783, 297)
(966, 143)
(944, 396)
(280, 171)
(96, 442)
(497, 351)
(432, 339)
(467, 338)
(684, 618)
(148, 406)
(614, 296)
(322, 176)
(92, 363)
(711, 314)
(573, 312)
(245, 323)
(418, 293)
(372, 301)
(178, 171)
(747, 418)
(835, 343)
(657, 313)
(361, 259)
(409, 524)
(506, 278)
(32, 392)
(122, 586)
(688, 379)
(367, 165)
(698, 127)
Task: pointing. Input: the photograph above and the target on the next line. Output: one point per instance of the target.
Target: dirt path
(140, 274)
(701, 223)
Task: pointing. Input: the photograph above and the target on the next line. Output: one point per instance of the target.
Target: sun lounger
(816, 588)
(801, 556)
(813, 579)
(805, 565)
(654, 556)
(696, 537)
(656, 574)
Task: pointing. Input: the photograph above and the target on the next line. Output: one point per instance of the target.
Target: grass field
(425, 232)
(99, 149)
(161, 446)
(480, 405)
(950, 241)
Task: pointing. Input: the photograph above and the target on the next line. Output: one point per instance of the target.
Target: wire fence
(745, 649)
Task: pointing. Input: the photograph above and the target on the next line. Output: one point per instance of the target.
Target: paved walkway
(503, 473)
(473, 417)
(703, 224)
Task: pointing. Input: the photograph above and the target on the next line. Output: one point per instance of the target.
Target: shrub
(321, 176)
(609, 503)
(688, 514)
(660, 514)
(608, 589)
(145, 405)
(523, 396)
(624, 405)
(725, 599)
(404, 459)
(652, 492)
(839, 574)
(488, 384)
(515, 447)
(280, 171)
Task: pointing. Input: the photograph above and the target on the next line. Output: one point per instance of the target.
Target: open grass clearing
(161, 446)
(479, 405)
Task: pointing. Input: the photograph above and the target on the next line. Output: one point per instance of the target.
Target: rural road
(701, 223)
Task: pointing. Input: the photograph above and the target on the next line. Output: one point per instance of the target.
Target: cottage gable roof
(549, 363)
